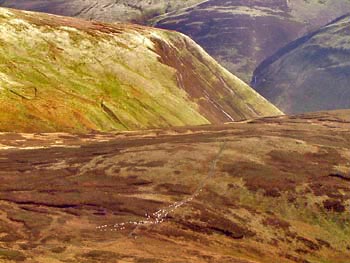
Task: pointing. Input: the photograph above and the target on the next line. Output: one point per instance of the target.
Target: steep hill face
(311, 73)
(240, 34)
(60, 73)
(233, 31)
(103, 10)
(203, 194)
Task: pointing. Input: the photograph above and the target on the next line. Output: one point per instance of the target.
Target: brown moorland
(267, 190)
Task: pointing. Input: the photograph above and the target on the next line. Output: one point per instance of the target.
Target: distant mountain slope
(311, 73)
(60, 73)
(240, 34)
(104, 10)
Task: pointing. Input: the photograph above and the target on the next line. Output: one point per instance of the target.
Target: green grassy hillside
(59, 73)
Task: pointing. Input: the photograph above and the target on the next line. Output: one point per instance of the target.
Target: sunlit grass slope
(65, 74)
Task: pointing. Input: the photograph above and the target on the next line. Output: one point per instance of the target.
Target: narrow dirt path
(160, 215)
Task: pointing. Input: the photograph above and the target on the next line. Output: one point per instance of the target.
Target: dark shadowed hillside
(240, 34)
(311, 73)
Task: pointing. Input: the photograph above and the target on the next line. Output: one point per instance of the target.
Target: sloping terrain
(310, 74)
(268, 190)
(240, 34)
(66, 74)
(104, 10)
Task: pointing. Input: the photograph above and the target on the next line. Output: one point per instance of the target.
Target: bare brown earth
(267, 190)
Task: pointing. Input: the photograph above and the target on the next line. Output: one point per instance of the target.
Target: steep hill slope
(311, 73)
(240, 34)
(59, 73)
(204, 194)
(103, 10)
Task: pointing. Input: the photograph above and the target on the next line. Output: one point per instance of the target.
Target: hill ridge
(309, 74)
(61, 73)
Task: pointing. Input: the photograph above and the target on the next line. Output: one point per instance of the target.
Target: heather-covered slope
(60, 73)
(238, 193)
(311, 73)
(240, 34)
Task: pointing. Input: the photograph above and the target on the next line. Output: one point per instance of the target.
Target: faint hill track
(274, 184)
